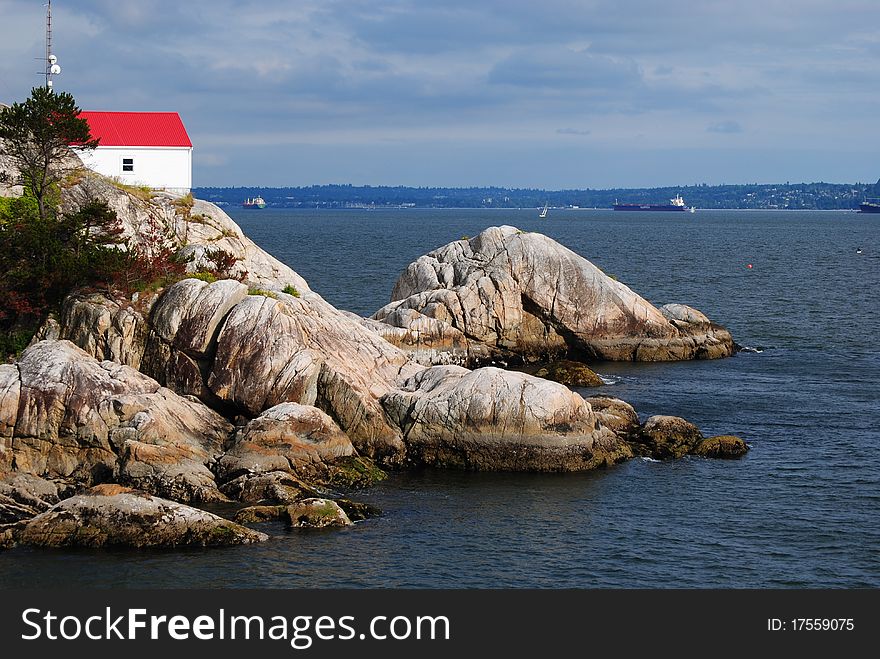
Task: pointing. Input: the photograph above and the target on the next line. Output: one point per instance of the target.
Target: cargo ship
(870, 206)
(256, 202)
(675, 204)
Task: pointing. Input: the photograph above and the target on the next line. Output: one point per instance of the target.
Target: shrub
(220, 263)
(290, 290)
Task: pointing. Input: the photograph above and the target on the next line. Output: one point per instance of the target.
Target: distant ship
(256, 202)
(870, 206)
(676, 204)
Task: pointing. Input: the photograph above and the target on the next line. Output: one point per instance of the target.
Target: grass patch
(185, 203)
(142, 192)
(201, 218)
(73, 178)
(290, 290)
(264, 293)
(204, 276)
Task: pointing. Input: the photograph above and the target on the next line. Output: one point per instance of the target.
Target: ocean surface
(800, 510)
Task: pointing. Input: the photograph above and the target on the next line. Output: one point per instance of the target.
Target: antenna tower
(52, 66)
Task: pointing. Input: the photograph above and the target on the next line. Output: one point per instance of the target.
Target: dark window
(128, 164)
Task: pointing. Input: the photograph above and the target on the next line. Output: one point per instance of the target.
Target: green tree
(36, 135)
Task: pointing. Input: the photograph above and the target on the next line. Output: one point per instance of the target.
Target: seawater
(800, 510)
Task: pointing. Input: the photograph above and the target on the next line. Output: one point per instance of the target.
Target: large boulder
(107, 328)
(721, 446)
(75, 417)
(571, 374)
(282, 348)
(316, 513)
(525, 294)
(273, 487)
(288, 437)
(617, 415)
(183, 329)
(490, 419)
(669, 436)
(112, 516)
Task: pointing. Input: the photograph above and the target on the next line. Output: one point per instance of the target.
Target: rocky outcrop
(152, 221)
(669, 436)
(66, 415)
(287, 437)
(569, 373)
(274, 487)
(663, 437)
(23, 496)
(428, 341)
(248, 353)
(526, 295)
(490, 419)
(272, 350)
(183, 328)
(316, 513)
(617, 415)
(721, 446)
(105, 328)
(112, 516)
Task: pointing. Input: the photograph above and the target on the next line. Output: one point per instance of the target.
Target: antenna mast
(52, 67)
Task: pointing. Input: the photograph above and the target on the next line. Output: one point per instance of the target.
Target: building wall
(169, 168)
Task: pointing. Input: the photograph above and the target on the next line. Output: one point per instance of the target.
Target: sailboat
(543, 211)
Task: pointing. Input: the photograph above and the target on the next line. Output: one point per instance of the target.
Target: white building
(141, 148)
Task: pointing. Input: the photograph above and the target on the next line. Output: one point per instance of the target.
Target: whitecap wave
(647, 459)
(753, 349)
(610, 379)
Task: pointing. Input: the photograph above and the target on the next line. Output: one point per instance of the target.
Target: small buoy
(859, 250)
(749, 266)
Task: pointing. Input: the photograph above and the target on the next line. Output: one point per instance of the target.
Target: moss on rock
(721, 446)
(354, 472)
(570, 373)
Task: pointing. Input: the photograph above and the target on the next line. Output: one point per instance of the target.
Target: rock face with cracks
(491, 419)
(287, 437)
(523, 294)
(66, 415)
(111, 516)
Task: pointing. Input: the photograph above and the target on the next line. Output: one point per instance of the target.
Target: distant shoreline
(784, 196)
(305, 209)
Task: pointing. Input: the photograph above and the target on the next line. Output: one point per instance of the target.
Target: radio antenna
(52, 66)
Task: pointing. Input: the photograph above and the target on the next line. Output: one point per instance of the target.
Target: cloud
(249, 74)
(207, 159)
(566, 71)
(725, 127)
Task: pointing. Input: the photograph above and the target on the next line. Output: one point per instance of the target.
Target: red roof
(137, 128)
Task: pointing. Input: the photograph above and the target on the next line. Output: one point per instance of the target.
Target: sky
(513, 93)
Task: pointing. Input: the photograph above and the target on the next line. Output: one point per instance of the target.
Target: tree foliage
(43, 258)
(36, 135)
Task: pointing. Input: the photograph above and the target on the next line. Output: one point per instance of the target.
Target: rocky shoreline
(124, 415)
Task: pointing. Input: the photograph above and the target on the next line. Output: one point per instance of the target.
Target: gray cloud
(408, 74)
(728, 126)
